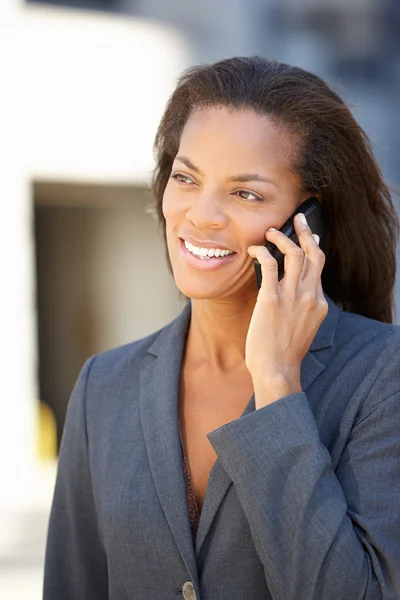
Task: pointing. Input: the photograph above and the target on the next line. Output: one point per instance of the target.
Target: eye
(255, 198)
(185, 180)
(181, 178)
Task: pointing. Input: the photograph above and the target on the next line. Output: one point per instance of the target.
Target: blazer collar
(173, 336)
(158, 396)
(176, 331)
(159, 389)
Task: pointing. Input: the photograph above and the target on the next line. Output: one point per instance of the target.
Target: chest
(206, 403)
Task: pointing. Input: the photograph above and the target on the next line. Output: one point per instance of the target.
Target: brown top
(193, 510)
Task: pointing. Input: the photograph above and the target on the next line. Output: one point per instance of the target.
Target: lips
(204, 262)
(206, 253)
(208, 244)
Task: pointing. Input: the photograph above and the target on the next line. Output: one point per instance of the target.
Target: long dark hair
(334, 159)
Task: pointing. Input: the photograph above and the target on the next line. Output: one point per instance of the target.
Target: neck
(218, 331)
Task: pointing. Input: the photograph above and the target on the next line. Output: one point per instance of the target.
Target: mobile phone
(312, 210)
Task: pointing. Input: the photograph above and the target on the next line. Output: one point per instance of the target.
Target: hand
(287, 314)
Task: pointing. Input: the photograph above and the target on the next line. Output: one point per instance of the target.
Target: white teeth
(206, 252)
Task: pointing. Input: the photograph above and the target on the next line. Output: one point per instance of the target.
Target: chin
(196, 288)
(209, 286)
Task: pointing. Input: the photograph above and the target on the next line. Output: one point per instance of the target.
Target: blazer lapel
(159, 385)
(219, 482)
(217, 487)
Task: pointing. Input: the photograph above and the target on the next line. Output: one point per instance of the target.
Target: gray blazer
(303, 502)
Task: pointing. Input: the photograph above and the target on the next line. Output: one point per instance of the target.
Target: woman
(286, 401)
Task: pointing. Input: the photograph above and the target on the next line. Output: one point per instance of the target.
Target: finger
(314, 267)
(315, 258)
(269, 270)
(321, 301)
(320, 292)
(294, 256)
(305, 262)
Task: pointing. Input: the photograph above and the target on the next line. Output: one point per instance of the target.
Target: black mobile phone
(312, 210)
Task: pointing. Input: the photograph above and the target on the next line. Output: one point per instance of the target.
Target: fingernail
(271, 229)
(316, 237)
(303, 219)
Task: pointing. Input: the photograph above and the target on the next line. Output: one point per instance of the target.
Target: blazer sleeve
(320, 534)
(75, 563)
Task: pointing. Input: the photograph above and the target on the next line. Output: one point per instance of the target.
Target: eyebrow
(237, 178)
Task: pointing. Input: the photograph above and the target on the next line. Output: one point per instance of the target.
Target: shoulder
(357, 370)
(109, 385)
(122, 360)
(358, 332)
(346, 338)
(119, 368)
(367, 354)
(345, 333)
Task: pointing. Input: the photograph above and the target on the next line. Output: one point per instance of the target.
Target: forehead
(237, 139)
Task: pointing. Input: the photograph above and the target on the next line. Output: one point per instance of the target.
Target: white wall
(81, 97)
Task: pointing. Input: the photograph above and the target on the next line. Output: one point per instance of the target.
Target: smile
(207, 253)
(205, 259)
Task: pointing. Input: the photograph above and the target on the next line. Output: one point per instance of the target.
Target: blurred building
(84, 83)
(354, 45)
(83, 268)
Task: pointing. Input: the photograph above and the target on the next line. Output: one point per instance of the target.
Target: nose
(206, 212)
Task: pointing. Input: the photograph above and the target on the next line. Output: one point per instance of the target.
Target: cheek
(171, 208)
(274, 216)
(254, 228)
(259, 233)
(166, 205)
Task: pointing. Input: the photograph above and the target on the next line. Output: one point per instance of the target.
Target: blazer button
(188, 591)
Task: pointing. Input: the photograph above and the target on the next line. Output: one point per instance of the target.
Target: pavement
(23, 539)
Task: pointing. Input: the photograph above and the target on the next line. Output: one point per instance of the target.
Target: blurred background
(83, 86)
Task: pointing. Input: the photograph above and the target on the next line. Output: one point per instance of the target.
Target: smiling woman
(249, 449)
(206, 204)
(309, 134)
